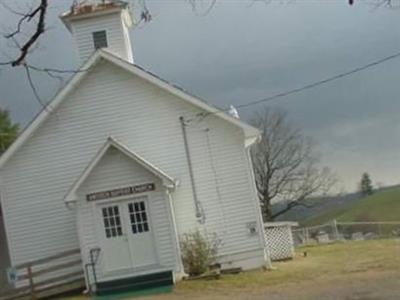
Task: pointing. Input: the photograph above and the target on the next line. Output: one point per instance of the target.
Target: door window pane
(112, 221)
(138, 217)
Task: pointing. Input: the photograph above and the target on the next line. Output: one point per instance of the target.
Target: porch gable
(167, 181)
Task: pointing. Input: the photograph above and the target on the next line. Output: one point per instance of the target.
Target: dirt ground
(364, 270)
(366, 286)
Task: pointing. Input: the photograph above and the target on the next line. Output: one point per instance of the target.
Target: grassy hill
(381, 206)
(317, 206)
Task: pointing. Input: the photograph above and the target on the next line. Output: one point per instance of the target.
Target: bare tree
(29, 26)
(285, 165)
(38, 14)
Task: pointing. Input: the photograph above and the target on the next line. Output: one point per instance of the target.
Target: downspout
(260, 220)
(199, 212)
(175, 229)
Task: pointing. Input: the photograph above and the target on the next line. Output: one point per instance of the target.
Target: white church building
(124, 163)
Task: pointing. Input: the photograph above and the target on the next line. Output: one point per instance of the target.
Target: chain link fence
(342, 231)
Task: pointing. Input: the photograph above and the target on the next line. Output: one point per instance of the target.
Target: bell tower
(102, 24)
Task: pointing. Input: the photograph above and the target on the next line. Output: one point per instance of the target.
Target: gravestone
(357, 236)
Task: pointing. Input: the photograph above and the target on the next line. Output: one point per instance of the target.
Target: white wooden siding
(117, 41)
(223, 183)
(116, 170)
(145, 118)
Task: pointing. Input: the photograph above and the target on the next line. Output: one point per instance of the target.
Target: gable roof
(251, 133)
(167, 180)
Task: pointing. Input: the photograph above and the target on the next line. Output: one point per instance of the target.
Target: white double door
(127, 241)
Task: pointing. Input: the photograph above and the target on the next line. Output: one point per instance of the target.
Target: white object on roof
(233, 112)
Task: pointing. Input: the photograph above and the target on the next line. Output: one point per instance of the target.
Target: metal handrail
(92, 264)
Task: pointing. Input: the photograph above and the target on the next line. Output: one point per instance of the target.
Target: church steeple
(102, 24)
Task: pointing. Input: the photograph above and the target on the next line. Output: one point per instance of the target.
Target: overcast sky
(242, 51)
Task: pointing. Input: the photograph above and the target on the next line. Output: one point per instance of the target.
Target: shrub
(198, 252)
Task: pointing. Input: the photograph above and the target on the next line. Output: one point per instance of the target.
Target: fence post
(335, 230)
(30, 278)
(307, 237)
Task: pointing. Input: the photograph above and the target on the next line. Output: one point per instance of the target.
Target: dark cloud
(241, 52)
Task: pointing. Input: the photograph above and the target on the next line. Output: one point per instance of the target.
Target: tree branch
(33, 87)
(40, 28)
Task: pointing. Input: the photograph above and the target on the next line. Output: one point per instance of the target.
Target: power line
(309, 86)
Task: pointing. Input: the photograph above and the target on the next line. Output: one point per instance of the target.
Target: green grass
(381, 206)
(342, 261)
(338, 259)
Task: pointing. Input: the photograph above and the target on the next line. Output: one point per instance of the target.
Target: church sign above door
(130, 190)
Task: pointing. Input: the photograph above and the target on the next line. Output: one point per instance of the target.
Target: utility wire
(308, 86)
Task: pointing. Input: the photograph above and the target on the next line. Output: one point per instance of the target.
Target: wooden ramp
(47, 277)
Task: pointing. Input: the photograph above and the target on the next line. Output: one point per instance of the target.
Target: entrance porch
(125, 221)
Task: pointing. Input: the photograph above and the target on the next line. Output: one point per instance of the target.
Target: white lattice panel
(279, 242)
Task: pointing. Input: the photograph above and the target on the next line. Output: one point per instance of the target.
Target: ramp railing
(46, 277)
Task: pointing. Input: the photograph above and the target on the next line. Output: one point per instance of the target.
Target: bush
(198, 252)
